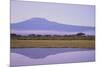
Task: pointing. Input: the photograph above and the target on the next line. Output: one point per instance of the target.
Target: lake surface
(35, 56)
(43, 52)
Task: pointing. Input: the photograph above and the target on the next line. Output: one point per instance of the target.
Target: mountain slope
(41, 24)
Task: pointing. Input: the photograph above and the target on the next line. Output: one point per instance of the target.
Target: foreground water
(34, 56)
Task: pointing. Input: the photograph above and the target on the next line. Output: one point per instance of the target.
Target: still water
(35, 56)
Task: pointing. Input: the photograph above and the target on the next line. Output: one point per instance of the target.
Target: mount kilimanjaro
(44, 26)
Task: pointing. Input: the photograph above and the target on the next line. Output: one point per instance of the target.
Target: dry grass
(52, 43)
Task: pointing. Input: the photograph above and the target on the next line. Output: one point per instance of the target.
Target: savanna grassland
(52, 42)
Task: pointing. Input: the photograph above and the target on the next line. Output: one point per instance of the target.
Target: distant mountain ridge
(41, 24)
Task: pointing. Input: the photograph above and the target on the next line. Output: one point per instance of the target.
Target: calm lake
(34, 56)
(43, 52)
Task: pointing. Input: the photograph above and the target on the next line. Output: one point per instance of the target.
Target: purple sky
(83, 15)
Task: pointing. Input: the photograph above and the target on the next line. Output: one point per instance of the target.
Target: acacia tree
(12, 34)
(32, 35)
(80, 34)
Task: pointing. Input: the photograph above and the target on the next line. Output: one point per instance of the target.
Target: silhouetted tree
(38, 35)
(65, 35)
(80, 34)
(33, 35)
(48, 35)
(13, 34)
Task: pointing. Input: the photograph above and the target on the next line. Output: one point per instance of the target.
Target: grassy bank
(52, 43)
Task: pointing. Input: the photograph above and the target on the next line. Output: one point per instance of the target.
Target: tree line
(78, 36)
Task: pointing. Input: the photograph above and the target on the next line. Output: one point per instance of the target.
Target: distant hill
(41, 25)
